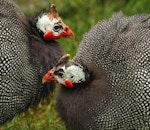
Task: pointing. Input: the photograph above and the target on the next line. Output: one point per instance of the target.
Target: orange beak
(67, 33)
(48, 77)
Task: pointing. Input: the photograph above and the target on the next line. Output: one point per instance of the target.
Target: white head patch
(73, 73)
(44, 24)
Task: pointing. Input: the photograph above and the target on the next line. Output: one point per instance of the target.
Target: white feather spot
(73, 73)
(44, 24)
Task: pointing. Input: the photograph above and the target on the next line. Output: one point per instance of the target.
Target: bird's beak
(48, 77)
(67, 33)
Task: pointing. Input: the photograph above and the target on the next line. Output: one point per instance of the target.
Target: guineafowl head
(71, 74)
(52, 26)
(66, 73)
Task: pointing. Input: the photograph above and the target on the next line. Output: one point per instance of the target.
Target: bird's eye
(57, 27)
(72, 77)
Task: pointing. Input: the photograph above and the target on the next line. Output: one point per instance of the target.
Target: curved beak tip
(43, 81)
(48, 77)
(71, 36)
(68, 33)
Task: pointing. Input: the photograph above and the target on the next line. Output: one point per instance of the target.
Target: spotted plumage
(116, 96)
(25, 55)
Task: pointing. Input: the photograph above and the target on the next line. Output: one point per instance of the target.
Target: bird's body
(24, 58)
(116, 94)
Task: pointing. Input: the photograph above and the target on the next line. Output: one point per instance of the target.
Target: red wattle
(49, 36)
(68, 83)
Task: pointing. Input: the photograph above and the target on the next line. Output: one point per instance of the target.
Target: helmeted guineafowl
(27, 47)
(107, 84)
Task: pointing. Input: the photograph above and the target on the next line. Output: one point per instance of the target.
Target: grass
(43, 117)
(80, 15)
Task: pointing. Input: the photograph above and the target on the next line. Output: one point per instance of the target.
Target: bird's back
(19, 84)
(121, 46)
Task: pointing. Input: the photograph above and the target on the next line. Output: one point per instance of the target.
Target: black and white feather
(24, 58)
(116, 94)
